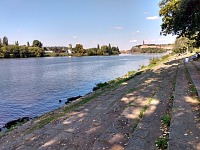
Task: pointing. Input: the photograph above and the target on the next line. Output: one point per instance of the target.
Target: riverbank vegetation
(147, 50)
(23, 51)
(37, 50)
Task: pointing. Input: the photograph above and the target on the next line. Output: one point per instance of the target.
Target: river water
(33, 86)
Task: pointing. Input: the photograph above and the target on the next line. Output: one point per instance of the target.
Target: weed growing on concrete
(166, 119)
(162, 143)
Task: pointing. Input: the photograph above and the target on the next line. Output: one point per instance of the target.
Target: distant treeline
(104, 50)
(147, 50)
(23, 51)
(37, 50)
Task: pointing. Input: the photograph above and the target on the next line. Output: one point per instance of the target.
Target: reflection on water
(34, 86)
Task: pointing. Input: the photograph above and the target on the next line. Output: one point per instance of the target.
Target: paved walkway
(108, 121)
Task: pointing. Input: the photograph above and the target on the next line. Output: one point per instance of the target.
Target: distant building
(69, 51)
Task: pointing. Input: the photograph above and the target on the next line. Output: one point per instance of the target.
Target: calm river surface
(31, 87)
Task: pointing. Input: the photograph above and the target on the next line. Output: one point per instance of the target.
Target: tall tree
(17, 43)
(70, 47)
(98, 47)
(28, 44)
(37, 43)
(5, 41)
(79, 49)
(181, 17)
(181, 45)
(0, 43)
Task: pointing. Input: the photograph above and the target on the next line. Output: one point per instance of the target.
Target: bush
(99, 85)
(154, 60)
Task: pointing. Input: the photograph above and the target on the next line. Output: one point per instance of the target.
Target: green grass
(166, 119)
(154, 60)
(162, 143)
(142, 111)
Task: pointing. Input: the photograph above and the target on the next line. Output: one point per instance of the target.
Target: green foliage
(154, 60)
(15, 51)
(165, 57)
(100, 85)
(105, 50)
(91, 51)
(28, 44)
(142, 111)
(147, 50)
(0, 43)
(181, 17)
(5, 41)
(181, 45)
(162, 143)
(17, 43)
(79, 49)
(37, 43)
(166, 119)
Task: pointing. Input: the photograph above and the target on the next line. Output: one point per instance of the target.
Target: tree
(17, 43)
(181, 45)
(37, 43)
(0, 43)
(181, 17)
(104, 50)
(5, 41)
(109, 49)
(79, 49)
(28, 44)
(70, 47)
(98, 47)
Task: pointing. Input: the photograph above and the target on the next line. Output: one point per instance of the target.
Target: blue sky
(123, 23)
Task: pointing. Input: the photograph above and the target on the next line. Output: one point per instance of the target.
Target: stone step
(118, 133)
(194, 74)
(148, 130)
(185, 126)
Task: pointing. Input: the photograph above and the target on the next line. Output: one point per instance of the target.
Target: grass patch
(130, 73)
(162, 143)
(142, 111)
(154, 60)
(100, 85)
(166, 119)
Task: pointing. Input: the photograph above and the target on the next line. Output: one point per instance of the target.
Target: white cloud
(152, 18)
(132, 41)
(74, 37)
(118, 28)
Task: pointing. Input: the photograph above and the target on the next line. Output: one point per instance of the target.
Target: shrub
(154, 60)
(99, 85)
